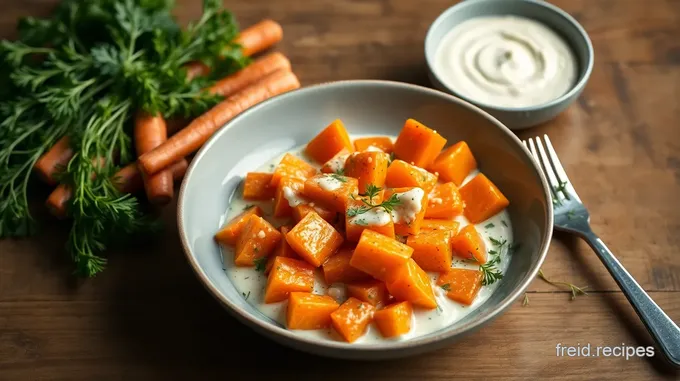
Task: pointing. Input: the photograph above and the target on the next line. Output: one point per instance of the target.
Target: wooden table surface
(147, 317)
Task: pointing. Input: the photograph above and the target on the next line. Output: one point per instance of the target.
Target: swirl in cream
(506, 61)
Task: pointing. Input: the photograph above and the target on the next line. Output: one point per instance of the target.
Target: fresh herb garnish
(338, 177)
(246, 296)
(371, 192)
(504, 223)
(525, 302)
(340, 171)
(498, 242)
(489, 225)
(575, 290)
(260, 264)
(490, 273)
(493, 252)
(446, 287)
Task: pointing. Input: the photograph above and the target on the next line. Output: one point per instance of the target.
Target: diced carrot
(256, 186)
(461, 285)
(338, 270)
(432, 250)
(402, 174)
(369, 168)
(331, 190)
(482, 199)
(378, 255)
(370, 291)
(288, 275)
(444, 201)
(300, 211)
(394, 320)
(288, 195)
(352, 319)
(469, 244)
(376, 219)
(283, 249)
(257, 240)
(429, 225)
(409, 213)
(329, 142)
(336, 164)
(454, 163)
(417, 144)
(309, 311)
(292, 166)
(382, 142)
(410, 283)
(229, 234)
(314, 239)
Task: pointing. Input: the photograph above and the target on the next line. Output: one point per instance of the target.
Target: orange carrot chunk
(259, 37)
(482, 199)
(337, 269)
(411, 283)
(376, 219)
(394, 320)
(288, 275)
(444, 201)
(257, 240)
(54, 160)
(229, 234)
(331, 190)
(250, 74)
(461, 285)
(409, 213)
(378, 255)
(454, 163)
(288, 195)
(429, 225)
(256, 186)
(417, 144)
(309, 311)
(292, 166)
(402, 174)
(283, 249)
(469, 244)
(369, 168)
(314, 239)
(352, 319)
(372, 291)
(329, 142)
(432, 250)
(300, 211)
(382, 142)
(336, 164)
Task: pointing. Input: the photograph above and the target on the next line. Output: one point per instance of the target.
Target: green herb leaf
(338, 177)
(446, 287)
(489, 226)
(340, 171)
(260, 264)
(504, 223)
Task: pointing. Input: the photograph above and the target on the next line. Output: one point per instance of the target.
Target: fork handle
(660, 326)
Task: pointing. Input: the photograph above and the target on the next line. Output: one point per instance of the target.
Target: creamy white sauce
(337, 162)
(506, 61)
(294, 199)
(409, 206)
(374, 217)
(251, 283)
(329, 182)
(373, 149)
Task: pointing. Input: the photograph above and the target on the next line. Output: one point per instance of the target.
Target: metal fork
(571, 216)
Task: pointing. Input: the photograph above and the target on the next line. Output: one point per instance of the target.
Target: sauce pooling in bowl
(506, 61)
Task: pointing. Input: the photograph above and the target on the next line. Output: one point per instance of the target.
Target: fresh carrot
(192, 137)
(252, 73)
(54, 160)
(196, 69)
(150, 131)
(58, 199)
(259, 37)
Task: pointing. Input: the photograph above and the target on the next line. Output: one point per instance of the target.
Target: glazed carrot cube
(376, 219)
(410, 283)
(429, 225)
(314, 239)
(331, 190)
(417, 144)
(409, 212)
(300, 211)
(454, 163)
(461, 285)
(369, 291)
(257, 240)
(352, 318)
(288, 275)
(282, 250)
(329, 142)
(402, 174)
(337, 269)
(309, 311)
(444, 202)
(292, 166)
(256, 186)
(378, 255)
(229, 234)
(394, 320)
(336, 164)
(382, 142)
(288, 195)
(482, 199)
(368, 168)
(469, 244)
(432, 250)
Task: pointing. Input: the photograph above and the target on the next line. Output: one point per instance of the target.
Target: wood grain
(147, 317)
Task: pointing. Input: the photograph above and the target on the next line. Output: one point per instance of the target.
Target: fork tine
(559, 169)
(543, 162)
(554, 181)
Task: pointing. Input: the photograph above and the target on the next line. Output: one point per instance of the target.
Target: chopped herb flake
(260, 264)
(446, 287)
